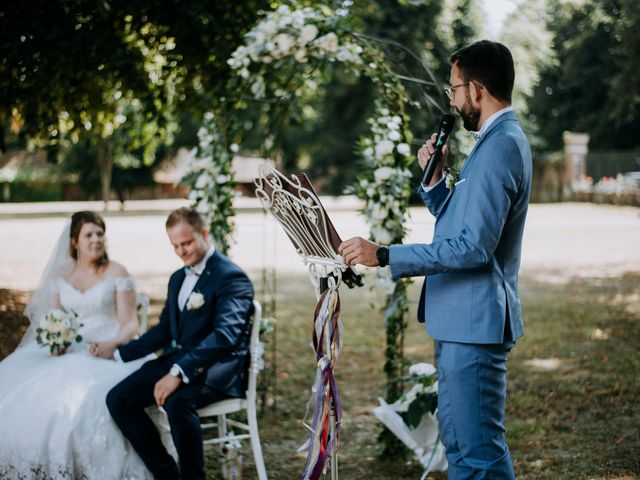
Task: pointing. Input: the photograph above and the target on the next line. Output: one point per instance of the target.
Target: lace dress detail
(54, 421)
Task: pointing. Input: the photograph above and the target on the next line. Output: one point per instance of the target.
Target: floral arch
(282, 60)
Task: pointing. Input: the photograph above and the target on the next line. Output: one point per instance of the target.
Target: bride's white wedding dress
(54, 423)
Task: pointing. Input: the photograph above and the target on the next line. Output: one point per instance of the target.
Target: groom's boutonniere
(451, 175)
(196, 300)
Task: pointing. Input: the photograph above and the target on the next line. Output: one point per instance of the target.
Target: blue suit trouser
(472, 388)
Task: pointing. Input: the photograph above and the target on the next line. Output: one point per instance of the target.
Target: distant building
(244, 168)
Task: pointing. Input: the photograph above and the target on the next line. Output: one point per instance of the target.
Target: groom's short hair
(187, 215)
(488, 63)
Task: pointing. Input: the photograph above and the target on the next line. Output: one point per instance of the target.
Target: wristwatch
(175, 372)
(382, 254)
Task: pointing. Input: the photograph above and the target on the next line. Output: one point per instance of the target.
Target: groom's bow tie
(191, 271)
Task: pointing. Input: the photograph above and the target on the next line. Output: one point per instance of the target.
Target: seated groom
(204, 333)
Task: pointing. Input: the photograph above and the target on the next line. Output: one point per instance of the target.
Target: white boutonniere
(196, 300)
(451, 175)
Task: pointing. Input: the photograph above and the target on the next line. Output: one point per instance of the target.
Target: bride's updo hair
(186, 215)
(78, 219)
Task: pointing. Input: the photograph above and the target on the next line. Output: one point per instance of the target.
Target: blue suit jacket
(471, 267)
(211, 343)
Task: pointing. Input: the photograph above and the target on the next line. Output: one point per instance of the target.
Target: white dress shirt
(191, 278)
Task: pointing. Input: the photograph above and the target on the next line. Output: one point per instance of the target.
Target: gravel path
(561, 240)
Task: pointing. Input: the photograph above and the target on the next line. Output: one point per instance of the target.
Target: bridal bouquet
(58, 329)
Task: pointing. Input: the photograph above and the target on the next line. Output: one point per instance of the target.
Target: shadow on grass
(573, 381)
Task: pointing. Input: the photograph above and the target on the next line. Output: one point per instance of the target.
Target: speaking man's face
(461, 100)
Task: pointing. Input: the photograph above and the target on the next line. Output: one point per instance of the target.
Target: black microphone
(446, 125)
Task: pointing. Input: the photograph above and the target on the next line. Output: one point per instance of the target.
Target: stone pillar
(576, 147)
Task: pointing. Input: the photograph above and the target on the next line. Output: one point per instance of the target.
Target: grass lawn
(573, 381)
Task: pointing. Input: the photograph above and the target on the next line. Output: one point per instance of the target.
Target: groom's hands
(165, 387)
(102, 349)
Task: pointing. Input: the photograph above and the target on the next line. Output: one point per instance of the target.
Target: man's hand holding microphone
(431, 157)
(424, 155)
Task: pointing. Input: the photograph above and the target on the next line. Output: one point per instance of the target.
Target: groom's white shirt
(191, 278)
(192, 274)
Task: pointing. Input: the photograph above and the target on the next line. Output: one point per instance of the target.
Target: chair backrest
(142, 310)
(254, 349)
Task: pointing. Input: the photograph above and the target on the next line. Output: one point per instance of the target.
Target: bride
(54, 422)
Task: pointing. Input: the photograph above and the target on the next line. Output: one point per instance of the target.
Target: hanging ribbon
(327, 344)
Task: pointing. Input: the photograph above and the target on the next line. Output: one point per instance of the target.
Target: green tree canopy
(112, 74)
(593, 87)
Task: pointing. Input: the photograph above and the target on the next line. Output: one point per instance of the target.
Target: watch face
(382, 254)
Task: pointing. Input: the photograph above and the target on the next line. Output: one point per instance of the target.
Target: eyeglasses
(451, 91)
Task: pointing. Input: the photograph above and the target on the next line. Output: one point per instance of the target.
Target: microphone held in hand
(446, 125)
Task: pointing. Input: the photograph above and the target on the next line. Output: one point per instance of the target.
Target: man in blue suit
(203, 333)
(470, 298)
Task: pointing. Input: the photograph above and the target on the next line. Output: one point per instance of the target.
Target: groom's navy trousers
(127, 401)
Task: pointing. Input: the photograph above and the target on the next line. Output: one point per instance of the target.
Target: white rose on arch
(269, 27)
(394, 135)
(403, 149)
(308, 34)
(384, 148)
(381, 236)
(301, 55)
(328, 42)
(378, 213)
(285, 43)
(383, 173)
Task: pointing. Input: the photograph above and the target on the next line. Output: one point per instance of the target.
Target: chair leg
(222, 430)
(255, 441)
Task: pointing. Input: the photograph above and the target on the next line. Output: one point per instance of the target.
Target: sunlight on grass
(544, 364)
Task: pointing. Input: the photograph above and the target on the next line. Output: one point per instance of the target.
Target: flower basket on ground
(412, 418)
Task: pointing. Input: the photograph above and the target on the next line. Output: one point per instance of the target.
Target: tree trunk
(105, 165)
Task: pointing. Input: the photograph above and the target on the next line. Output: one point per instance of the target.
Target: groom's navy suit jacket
(471, 267)
(210, 343)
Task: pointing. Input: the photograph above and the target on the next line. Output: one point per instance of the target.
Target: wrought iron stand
(296, 207)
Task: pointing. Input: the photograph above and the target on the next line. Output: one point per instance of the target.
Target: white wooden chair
(223, 408)
(142, 310)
